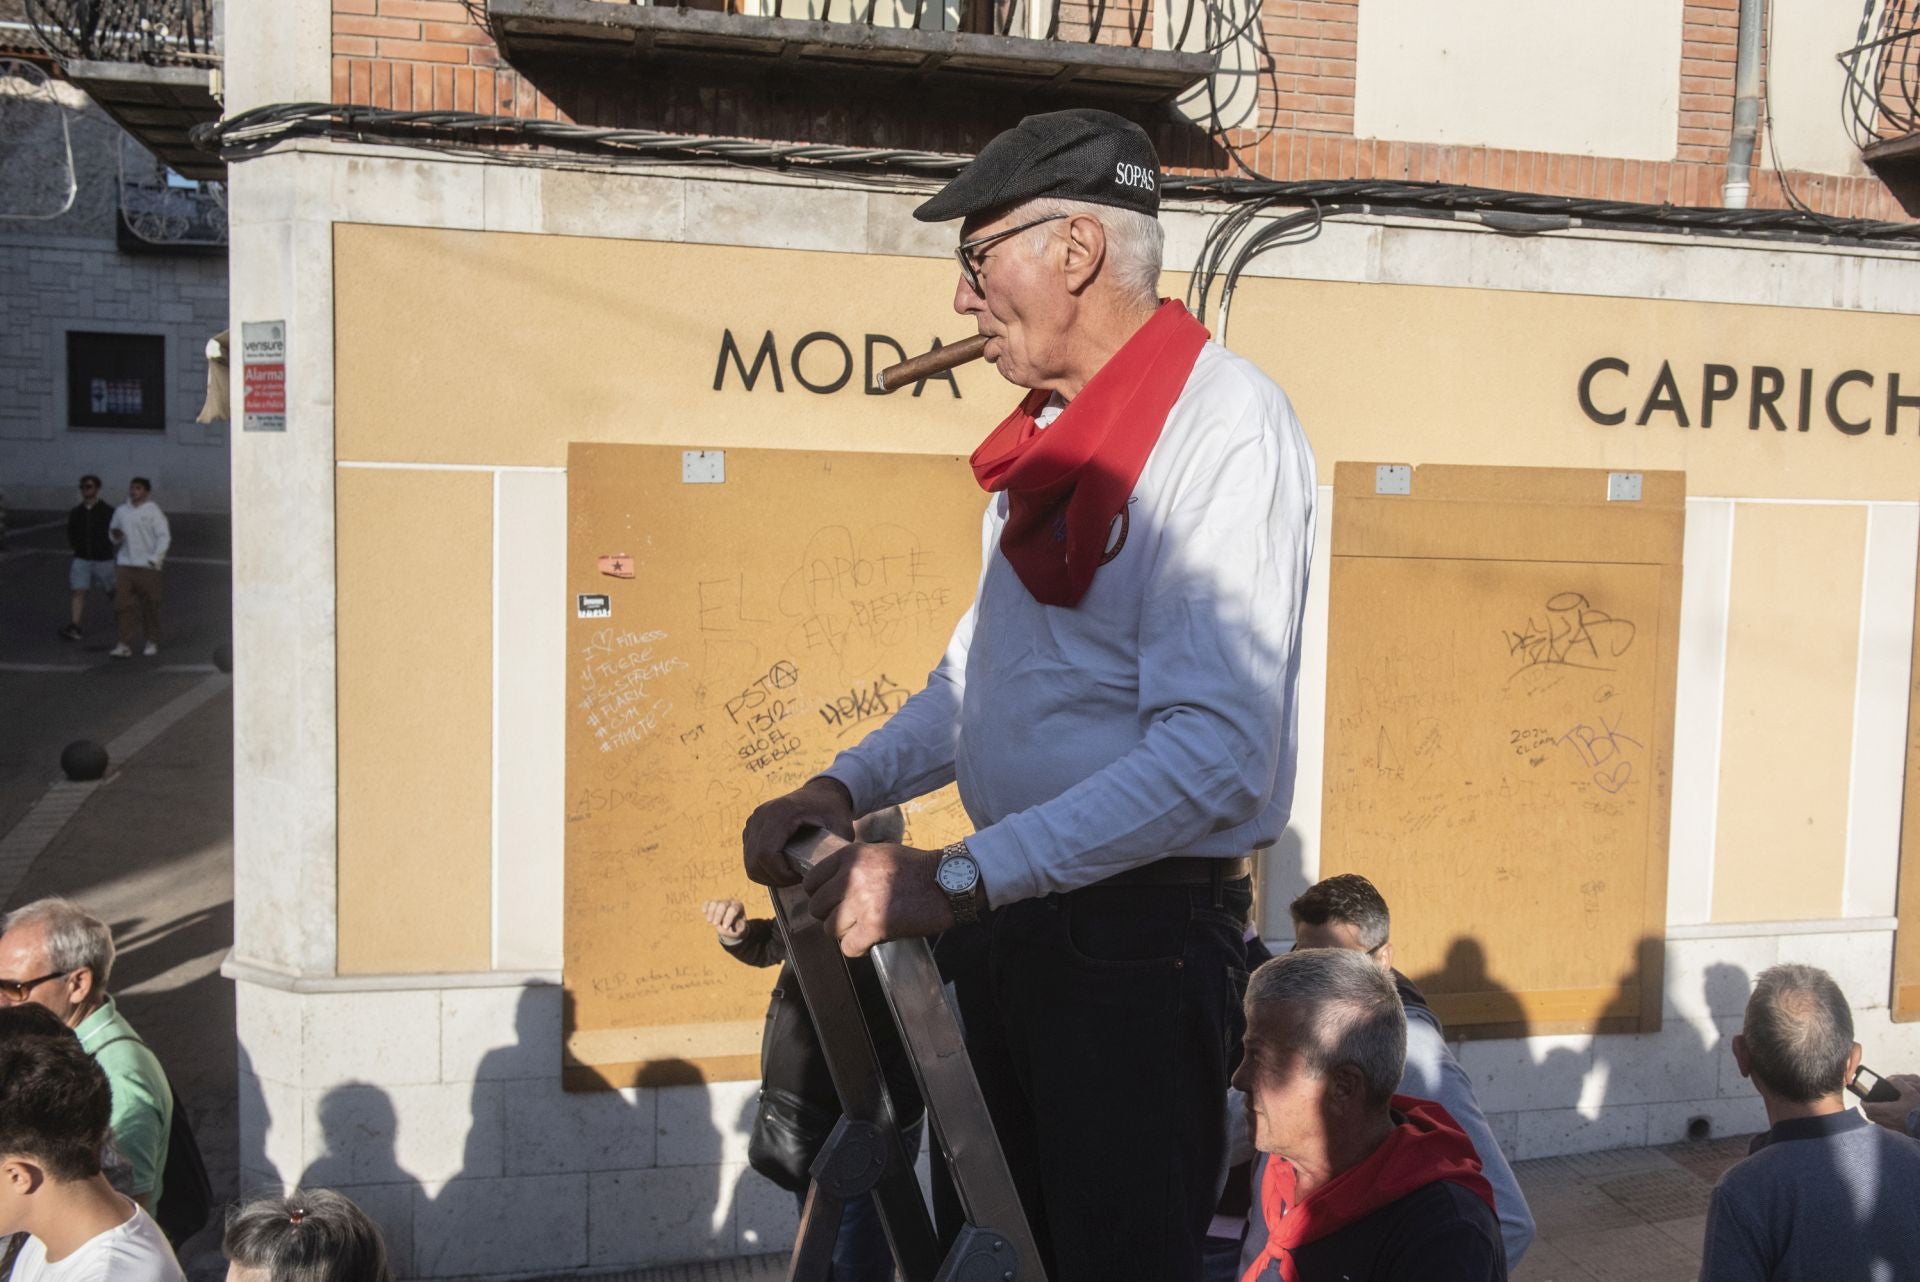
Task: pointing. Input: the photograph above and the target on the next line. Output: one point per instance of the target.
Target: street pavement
(1628, 1215)
(151, 848)
(151, 851)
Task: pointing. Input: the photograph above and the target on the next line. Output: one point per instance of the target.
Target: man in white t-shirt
(54, 1112)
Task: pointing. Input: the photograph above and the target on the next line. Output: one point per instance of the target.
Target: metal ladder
(865, 1156)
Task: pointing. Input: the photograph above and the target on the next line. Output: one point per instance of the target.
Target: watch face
(958, 874)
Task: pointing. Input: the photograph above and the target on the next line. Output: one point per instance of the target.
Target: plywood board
(772, 618)
(415, 558)
(1502, 647)
(1906, 943)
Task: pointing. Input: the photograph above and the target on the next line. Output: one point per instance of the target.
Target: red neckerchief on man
(1067, 484)
(1427, 1148)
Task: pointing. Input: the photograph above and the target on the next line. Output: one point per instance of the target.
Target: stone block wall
(469, 1153)
(478, 1165)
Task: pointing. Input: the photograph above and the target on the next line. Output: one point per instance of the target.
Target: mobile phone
(1872, 1087)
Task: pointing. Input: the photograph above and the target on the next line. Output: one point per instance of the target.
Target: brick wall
(1314, 45)
(424, 55)
(1708, 39)
(432, 55)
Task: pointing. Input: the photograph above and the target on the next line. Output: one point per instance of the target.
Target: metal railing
(1191, 26)
(1881, 101)
(163, 209)
(158, 33)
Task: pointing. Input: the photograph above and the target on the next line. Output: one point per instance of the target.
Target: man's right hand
(818, 803)
(1893, 1114)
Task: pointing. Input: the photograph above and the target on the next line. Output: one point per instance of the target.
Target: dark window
(117, 380)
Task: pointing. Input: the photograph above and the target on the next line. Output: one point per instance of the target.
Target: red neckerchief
(1068, 483)
(1427, 1148)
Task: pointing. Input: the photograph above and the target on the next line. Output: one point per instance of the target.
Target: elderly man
(1824, 1193)
(1118, 708)
(56, 954)
(1361, 1182)
(1348, 912)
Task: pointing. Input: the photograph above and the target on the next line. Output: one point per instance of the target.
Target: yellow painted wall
(516, 345)
(1793, 643)
(512, 346)
(1440, 375)
(415, 644)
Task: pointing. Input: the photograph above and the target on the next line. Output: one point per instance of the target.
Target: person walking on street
(139, 529)
(88, 526)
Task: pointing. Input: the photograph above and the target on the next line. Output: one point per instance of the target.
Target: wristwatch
(959, 876)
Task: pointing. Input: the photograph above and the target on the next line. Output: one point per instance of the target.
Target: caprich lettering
(821, 362)
(1853, 401)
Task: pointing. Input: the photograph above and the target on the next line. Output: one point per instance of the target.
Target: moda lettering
(821, 362)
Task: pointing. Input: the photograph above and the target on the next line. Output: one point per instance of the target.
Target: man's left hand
(868, 894)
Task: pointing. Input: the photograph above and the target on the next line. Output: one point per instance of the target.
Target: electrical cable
(1280, 232)
(1773, 149)
(263, 128)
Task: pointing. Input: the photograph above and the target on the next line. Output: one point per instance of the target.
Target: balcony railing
(158, 33)
(1882, 97)
(1131, 49)
(147, 63)
(162, 210)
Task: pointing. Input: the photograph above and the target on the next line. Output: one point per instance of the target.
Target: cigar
(927, 364)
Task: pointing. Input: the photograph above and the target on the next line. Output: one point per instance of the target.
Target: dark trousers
(1101, 1025)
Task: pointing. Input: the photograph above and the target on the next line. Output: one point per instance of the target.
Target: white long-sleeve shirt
(1158, 716)
(144, 534)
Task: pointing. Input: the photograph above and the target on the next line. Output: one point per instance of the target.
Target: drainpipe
(1746, 106)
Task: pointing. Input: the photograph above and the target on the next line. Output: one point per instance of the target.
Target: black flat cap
(1082, 154)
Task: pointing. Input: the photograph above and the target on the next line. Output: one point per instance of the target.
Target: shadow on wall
(511, 1174)
(1470, 1002)
(1599, 1080)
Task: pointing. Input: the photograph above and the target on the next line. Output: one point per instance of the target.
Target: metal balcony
(147, 63)
(1881, 101)
(1081, 47)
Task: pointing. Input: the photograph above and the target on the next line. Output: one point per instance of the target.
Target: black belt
(1184, 870)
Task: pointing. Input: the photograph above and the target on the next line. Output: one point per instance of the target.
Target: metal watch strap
(966, 907)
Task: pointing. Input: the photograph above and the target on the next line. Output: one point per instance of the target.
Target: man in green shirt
(56, 954)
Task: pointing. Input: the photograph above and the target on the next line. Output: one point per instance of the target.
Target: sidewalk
(1629, 1215)
(151, 851)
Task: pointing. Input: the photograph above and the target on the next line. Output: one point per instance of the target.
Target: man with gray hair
(1362, 1182)
(1824, 1193)
(1118, 707)
(56, 954)
(1348, 911)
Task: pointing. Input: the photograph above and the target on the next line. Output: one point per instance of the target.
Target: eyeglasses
(972, 258)
(15, 991)
(89, 485)
(1371, 952)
